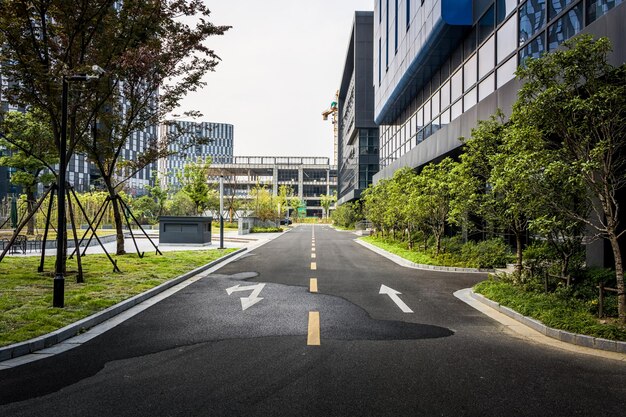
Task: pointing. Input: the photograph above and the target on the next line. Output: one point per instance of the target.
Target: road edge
(50, 339)
(539, 332)
(408, 264)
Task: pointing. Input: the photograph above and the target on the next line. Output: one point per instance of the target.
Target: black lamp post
(221, 212)
(58, 294)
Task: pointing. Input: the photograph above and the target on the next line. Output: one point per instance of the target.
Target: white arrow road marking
(393, 294)
(247, 302)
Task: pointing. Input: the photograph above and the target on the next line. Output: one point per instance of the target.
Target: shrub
(266, 229)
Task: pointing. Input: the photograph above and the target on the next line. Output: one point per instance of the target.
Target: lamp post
(58, 293)
(221, 212)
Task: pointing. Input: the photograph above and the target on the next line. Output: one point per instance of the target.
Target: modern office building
(217, 144)
(442, 65)
(357, 143)
(308, 177)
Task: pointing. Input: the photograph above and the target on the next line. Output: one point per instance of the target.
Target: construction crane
(332, 111)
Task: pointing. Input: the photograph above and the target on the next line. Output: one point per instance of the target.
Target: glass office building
(217, 144)
(357, 142)
(442, 65)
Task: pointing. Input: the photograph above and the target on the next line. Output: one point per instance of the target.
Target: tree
(295, 203)
(152, 57)
(158, 193)
(30, 145)
(262, 203)
(193, 179)
(326, 201)
(285, 193)
(578, 101)
(433, 196)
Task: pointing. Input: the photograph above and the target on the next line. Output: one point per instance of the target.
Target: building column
(301, 183)
(275, 181)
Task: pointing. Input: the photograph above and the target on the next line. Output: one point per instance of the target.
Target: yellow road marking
(313, 266)
(312, 256)
(313, 248)
(313, 285)
(313, 336)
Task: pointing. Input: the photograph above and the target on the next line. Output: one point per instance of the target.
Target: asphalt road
(198, 353)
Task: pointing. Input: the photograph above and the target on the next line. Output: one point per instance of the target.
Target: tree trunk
(30, 204)
(619, 275)
(519, 252)
(564, 268)
(117, 217)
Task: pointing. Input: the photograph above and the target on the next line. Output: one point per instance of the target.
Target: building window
(597, 8)
(567, 26)
(408, 14)
(387, 34)
(506, 39)
(397, 18)
(486, 25)
(380, 11)
(532, 17)
(380, 61)
(557, 6)
(504, 8)
(534, 49)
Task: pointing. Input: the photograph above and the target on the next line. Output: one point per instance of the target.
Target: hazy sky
(281, 65)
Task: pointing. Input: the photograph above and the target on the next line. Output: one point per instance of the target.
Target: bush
(492, 253)
(346, 215)
(266, 229)
(558, 310)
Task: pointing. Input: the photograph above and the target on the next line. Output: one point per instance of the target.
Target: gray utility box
(185, 230)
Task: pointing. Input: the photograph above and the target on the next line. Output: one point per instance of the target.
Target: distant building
(308, 177)
(218, 146)
(357, 145)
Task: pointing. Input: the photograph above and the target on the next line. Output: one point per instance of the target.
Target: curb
(562, 335)
(71, 330)
(408, 264)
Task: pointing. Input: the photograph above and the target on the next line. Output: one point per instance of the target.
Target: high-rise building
(357, 144)
(442, 65)
(194, 141)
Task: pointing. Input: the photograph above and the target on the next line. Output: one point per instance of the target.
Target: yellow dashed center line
(313, 248)
(313, 336)
(313, 285)
(312, 256)
(313, 266)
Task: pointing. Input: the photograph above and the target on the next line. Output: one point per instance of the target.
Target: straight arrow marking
(393, 294)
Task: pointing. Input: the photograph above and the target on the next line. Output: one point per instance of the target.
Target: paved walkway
(231, 240)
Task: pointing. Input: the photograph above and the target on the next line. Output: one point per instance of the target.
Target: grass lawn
(552, 310)
(26, 296)
(413, 255)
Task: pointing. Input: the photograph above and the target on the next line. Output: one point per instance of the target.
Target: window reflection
(566, 27)
(532, 17)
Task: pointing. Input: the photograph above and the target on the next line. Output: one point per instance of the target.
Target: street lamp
(221, 212)
(58, 293)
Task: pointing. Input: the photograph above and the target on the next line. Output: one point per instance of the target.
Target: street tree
(285, 193)
(30, 150)
(193, 179)
(578, 100)
(326, 201)
(153, 53)
(295, 203)
(432, 197)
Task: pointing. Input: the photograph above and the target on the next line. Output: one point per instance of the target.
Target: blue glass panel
(486, 25)
(532, 18)
(567, 26)
(533, 49)
(597, 8)
(557, 6)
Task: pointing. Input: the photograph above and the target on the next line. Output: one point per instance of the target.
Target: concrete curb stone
(57, 336)
(562, 335)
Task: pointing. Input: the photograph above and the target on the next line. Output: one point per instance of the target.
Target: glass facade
(505, 35)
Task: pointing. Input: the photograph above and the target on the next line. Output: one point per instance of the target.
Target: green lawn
(26, 296)
(552, 310)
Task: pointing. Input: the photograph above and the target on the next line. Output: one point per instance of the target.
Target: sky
(281, 66)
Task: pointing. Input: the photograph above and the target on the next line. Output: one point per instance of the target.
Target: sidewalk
(231, 240)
